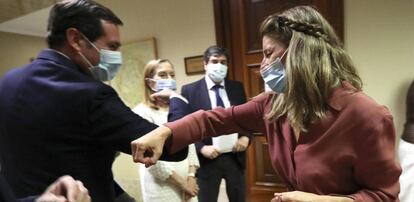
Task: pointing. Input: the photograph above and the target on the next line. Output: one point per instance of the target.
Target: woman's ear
(74, 39)
(151, 84)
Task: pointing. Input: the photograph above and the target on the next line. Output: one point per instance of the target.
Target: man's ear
(74, 39)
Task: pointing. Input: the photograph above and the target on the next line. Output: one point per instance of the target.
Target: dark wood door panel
(264, 182)
(256, 84)
(256, 11)
(265, 175)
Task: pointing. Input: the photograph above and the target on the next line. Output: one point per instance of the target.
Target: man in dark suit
(58, 117)
(221, 157)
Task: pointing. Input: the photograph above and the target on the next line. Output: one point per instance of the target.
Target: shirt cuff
(179, 97)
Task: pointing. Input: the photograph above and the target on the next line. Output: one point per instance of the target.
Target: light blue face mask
(109, 63)
(274, 75)
(161, 84)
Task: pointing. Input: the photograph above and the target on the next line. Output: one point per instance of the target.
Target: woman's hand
(299, 196)
(192, 188)
(148, 148)
(241, 144)
(163, 96)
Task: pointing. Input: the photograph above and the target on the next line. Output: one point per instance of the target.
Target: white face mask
(217, 72)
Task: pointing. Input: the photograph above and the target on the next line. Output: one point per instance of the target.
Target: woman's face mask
(274, 75)
(161, 84)
(109, 64)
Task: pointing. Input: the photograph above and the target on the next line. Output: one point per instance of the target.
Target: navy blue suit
(6, 194)
(56, 120)
(229, 166)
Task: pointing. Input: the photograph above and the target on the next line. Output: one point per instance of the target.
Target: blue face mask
(109, 63)
(274, 75)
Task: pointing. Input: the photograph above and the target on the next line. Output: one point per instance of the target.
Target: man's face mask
(274, 75)
(217, 72)
(161, 84)
(109, 63)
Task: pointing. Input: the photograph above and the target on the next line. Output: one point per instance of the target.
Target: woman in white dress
(165, 181)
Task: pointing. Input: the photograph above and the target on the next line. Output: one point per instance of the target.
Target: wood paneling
(256, 11)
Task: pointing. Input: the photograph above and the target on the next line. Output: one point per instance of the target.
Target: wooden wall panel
(256, 11)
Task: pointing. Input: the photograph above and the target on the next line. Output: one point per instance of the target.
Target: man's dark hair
(214, 50)
(84, 15)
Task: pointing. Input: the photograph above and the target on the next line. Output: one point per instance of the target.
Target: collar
(210, 83)
(58, 57)
(60, 53)
(340, 96)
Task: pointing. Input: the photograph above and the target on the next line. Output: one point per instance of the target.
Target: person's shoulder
(364, 109)
(193, 84)
(264, 97)
(362, 102)
(12, 74)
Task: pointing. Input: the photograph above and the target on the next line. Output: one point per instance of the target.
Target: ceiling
(27, 17)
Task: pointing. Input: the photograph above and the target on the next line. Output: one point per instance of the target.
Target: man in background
(220, 157)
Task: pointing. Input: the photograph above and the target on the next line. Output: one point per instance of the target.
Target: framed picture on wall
(194, 65)
(129, 82)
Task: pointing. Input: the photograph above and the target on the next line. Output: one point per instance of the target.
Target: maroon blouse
(350, 152)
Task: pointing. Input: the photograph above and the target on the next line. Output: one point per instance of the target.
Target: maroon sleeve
(246, 118)
(376, 168)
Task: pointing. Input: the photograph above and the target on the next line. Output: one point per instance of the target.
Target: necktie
(219, 101)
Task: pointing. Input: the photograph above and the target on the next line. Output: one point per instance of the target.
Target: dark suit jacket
(197, 95)
(56, 120)
(6, 194)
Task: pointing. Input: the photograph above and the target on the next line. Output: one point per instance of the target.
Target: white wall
(16, 50)
(182, 28)
(379, 35)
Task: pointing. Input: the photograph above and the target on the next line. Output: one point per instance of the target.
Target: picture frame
(194, 65)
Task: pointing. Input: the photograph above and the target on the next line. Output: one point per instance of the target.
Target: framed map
(128, 82)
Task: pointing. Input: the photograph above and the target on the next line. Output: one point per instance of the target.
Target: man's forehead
(111, 34)
(217, 57)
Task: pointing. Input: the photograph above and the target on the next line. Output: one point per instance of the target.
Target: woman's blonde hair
(149, 73)
(316, 63)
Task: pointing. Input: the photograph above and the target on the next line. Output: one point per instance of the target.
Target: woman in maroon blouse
(327, 139)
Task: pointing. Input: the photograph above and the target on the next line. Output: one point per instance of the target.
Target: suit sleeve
(184, 92)
(178, 109)
(114, 125)
(201, 124)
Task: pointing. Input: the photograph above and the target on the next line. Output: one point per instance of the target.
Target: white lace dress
(154, 186)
